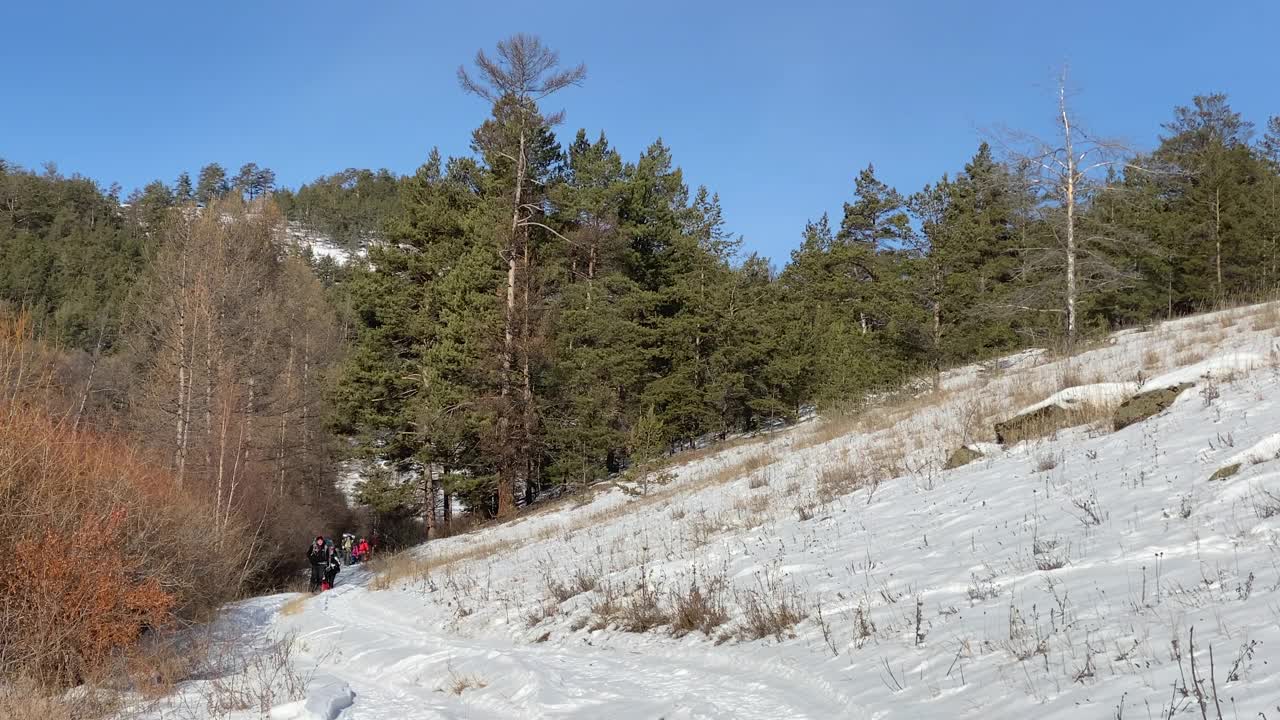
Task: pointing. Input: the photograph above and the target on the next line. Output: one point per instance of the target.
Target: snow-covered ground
(1093, 574)
(320, 245)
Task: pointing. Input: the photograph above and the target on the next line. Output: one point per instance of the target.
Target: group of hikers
(327, 559)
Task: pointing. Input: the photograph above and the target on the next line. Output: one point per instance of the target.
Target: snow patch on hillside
(1268, 448)
(1080, 396)
(320, 245)
(1219, 367)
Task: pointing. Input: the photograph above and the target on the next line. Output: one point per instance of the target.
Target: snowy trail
(396, 671)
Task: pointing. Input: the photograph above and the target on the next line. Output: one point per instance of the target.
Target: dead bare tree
(523, 73)
(1063, 172)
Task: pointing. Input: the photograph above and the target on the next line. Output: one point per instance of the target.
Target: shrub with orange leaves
(78, 599)
(100, 546)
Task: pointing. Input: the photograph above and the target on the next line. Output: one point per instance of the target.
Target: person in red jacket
(362, 550)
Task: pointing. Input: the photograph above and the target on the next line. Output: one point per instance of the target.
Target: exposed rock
(1071, 406)
(1146, 404)
(1225, 472)
(1038, 423)
(962, 456)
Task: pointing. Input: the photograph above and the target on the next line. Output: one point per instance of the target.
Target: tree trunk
(286, 405)
(184, 379)
(429, 503)
(937, 344)
(507, 466)
(528, 415)
(1217, 242)
(1071, 221)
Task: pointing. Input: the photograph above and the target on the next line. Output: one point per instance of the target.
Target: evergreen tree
(1209, 173)
(212, 183)
(520, 154)
(183, 191)
(598, 356)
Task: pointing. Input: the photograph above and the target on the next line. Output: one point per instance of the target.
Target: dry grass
(700, 606)
(709, 451)
(1267, 318)
(878, 416)
(874, 466)
(583, 580)
(771, 611)
(1190, 356)
(460, 683)
(726, 473)
(294, 606)
(23, 699)
(753, 504)
(393, 568)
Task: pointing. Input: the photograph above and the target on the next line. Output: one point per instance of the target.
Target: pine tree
(212, 184)
(519, 152)
(183, 191)
(1209, 169)
(418, 389)
(597, 360)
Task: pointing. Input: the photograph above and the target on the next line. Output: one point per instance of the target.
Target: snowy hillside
(320, 245)
(835, 570)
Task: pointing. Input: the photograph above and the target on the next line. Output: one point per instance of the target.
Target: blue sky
(774, 105)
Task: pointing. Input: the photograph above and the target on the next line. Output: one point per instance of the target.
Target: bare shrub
(1091, 509)
(864, 628)
(583, 580)
(133, 549)
(705, 528)
(1266, 504)
(540, 612)
(771, 609)
(982, 588)
(1046, 463)
(642, 610)
(460, 683)
(1185, 507)
(1209, 392)
(251, 677)
(606, 607)
(700, 606)
(1049, 555)
(804, 511)
(758, 481)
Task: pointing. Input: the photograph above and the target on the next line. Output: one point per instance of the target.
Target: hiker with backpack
(348, 544)
(331, 571)
(318, 557)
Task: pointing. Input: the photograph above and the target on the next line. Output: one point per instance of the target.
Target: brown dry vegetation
(101, 542)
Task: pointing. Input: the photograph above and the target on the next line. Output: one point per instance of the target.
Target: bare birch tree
(1063, 172)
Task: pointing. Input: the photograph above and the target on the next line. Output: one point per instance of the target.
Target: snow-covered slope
(319, 244)
(1092, 574)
